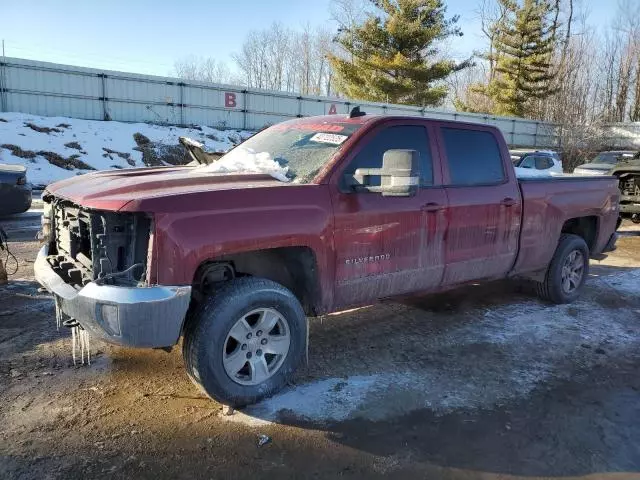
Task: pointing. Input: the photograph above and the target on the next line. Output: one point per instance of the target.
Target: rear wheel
(245, 342)
(567, 271)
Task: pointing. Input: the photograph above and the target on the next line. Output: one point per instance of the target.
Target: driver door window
(408, 137)
(528, 162)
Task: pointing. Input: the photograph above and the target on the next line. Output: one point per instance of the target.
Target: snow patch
(96, 139)
(246, 160)
(627, 284)
(504, 355)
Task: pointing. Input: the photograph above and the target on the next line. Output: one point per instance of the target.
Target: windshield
(610, 157)
(301, 148)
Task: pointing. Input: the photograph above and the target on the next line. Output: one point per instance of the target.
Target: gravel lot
(484, 382)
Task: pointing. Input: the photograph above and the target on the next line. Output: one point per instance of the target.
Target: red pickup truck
(370, 207)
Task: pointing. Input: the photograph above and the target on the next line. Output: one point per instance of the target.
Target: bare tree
(634, 114)
(202, 69)
(491, 14)
(347, 13)
(282, 59)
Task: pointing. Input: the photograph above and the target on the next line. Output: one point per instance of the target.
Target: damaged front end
(108, 247)
(628, 175)
(96, 265)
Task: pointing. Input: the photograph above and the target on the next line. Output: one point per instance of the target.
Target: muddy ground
(485, 382)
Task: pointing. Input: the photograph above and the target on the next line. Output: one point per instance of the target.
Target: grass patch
(74, 145)
(71, 163)
(18, 152)
(123, 155)
(141, 139)
(158, 155)
(3, 120)
(39, 129)
(63, 125)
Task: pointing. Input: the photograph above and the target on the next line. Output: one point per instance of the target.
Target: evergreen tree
(522, 54)
(393, 57)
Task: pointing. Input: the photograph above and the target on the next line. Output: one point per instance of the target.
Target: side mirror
(399, 175)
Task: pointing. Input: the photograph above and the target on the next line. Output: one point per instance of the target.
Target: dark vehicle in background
(15, 192)
(628, 174)
(544, 160)
(603, 162)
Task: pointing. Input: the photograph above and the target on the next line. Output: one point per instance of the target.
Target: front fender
(183, 241)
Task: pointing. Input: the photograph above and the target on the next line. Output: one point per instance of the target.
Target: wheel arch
(585, 227)
(294, 267)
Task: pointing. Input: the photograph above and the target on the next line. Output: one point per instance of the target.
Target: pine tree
(394, 57)
(522, 55)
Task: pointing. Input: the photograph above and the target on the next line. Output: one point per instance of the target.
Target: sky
(146, 36)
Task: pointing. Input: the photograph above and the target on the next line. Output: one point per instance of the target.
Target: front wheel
(567, 271)
(245, 342)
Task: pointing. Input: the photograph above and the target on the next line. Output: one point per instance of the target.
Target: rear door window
(409, 137)
(473, 156)
(543, 163)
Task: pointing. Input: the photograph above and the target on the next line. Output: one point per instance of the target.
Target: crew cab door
(388, 245)
(484, 204)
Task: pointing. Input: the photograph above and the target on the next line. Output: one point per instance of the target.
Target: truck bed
(550, 202)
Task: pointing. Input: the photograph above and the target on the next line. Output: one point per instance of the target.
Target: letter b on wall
(230, 100)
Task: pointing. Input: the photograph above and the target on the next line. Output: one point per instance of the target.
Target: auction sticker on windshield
(332, 138)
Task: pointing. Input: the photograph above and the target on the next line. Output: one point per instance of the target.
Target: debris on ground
(227, 410)
(263, 440)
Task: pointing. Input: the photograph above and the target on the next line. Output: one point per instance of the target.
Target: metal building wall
(61, 90)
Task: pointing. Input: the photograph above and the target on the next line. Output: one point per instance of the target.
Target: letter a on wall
(332, 109)
(229, 100)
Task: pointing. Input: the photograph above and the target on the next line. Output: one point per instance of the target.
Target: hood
(596, 166)
(633, 165)
(113, 189)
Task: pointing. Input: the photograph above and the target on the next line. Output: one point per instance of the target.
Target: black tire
(551, 288)
(207, 330)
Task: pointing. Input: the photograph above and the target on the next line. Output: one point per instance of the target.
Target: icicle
(81, 332)
(58, 312)
(73, 343)
(79, 339)
(87, 337)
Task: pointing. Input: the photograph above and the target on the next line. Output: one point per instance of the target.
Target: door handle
(432, 207)
(508, 202)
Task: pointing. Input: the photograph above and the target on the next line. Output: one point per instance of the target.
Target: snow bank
(246, 160)
(31, 140)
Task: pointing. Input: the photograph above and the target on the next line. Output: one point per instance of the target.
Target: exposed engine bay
(630, 184)
(91, 245)
(628, 174)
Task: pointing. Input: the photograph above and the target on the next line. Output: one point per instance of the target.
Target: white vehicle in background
(537, 162)
(603, 162)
